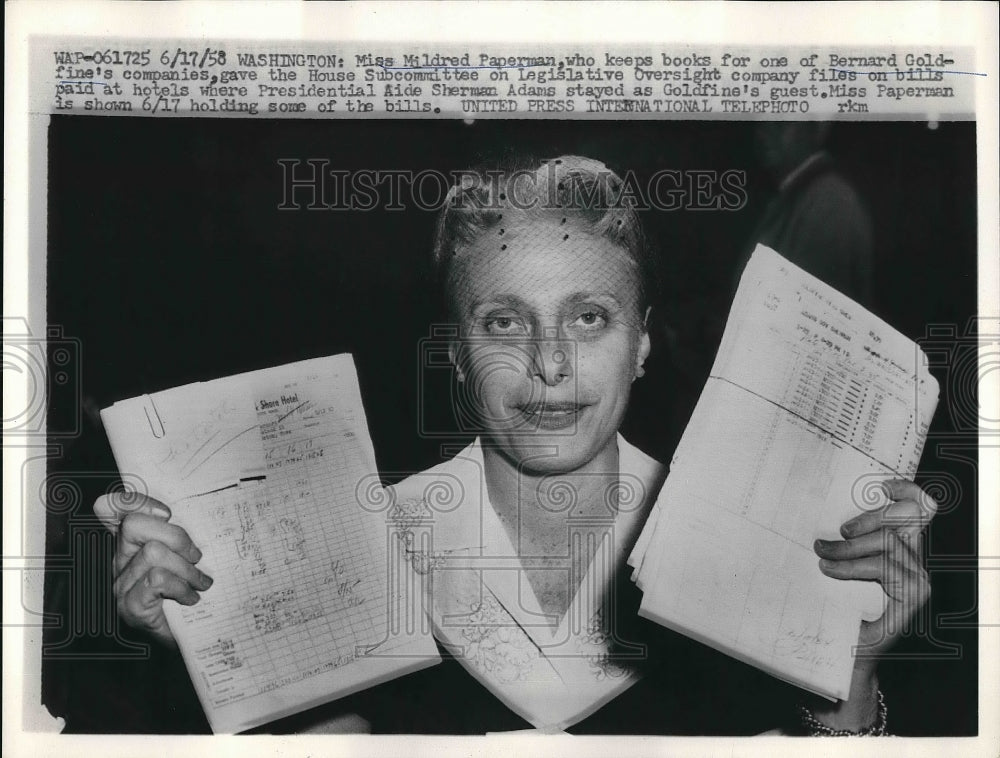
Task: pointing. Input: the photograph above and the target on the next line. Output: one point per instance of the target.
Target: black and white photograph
(466, 424)
(227, 249)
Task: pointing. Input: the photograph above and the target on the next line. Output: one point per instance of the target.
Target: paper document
(812, 401)
(263, 471)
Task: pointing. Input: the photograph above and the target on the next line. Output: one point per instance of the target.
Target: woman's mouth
(551, 416)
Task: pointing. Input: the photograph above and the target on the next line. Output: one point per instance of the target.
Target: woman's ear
(453, 357)
(644, 346)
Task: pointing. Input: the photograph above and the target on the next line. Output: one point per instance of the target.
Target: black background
(169, 261)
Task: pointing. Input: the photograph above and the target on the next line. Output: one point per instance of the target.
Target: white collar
(561, 671)
(468, 524)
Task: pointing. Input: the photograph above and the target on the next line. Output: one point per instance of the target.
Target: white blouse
(480, 606)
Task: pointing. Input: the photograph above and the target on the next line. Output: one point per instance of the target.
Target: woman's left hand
(883, 545)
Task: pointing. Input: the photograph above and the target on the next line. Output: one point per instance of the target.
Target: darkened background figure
(817, 220)
(803, 205)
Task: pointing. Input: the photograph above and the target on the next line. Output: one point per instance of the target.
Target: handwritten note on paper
(187, 440)
(829, 362)
(298, 613)
(810, 401)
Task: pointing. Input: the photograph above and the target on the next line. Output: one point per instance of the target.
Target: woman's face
(552, 335)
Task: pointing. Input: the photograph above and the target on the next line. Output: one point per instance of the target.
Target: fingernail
(849, 528)
(197, 554)
(819, 544)
(206, 580)
(827, 564)
(160, 511)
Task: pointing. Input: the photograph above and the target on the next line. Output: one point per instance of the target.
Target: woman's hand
(882, 545)
(154, 559)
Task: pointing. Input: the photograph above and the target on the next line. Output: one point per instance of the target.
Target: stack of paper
(267, 472)
(812, 401)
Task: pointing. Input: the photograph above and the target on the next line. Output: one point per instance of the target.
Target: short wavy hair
(568, 185)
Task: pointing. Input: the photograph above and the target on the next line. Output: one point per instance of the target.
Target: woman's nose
(553, 357)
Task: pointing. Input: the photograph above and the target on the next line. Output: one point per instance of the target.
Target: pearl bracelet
(815, 728)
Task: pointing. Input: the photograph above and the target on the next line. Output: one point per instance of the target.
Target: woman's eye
(505, 326)
(591, 320)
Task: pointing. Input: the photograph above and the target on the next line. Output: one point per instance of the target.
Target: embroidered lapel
(551, 671)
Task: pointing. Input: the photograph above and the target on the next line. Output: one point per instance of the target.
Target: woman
(549, 283)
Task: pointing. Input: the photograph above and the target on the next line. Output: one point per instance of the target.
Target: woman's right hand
(154, 560)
